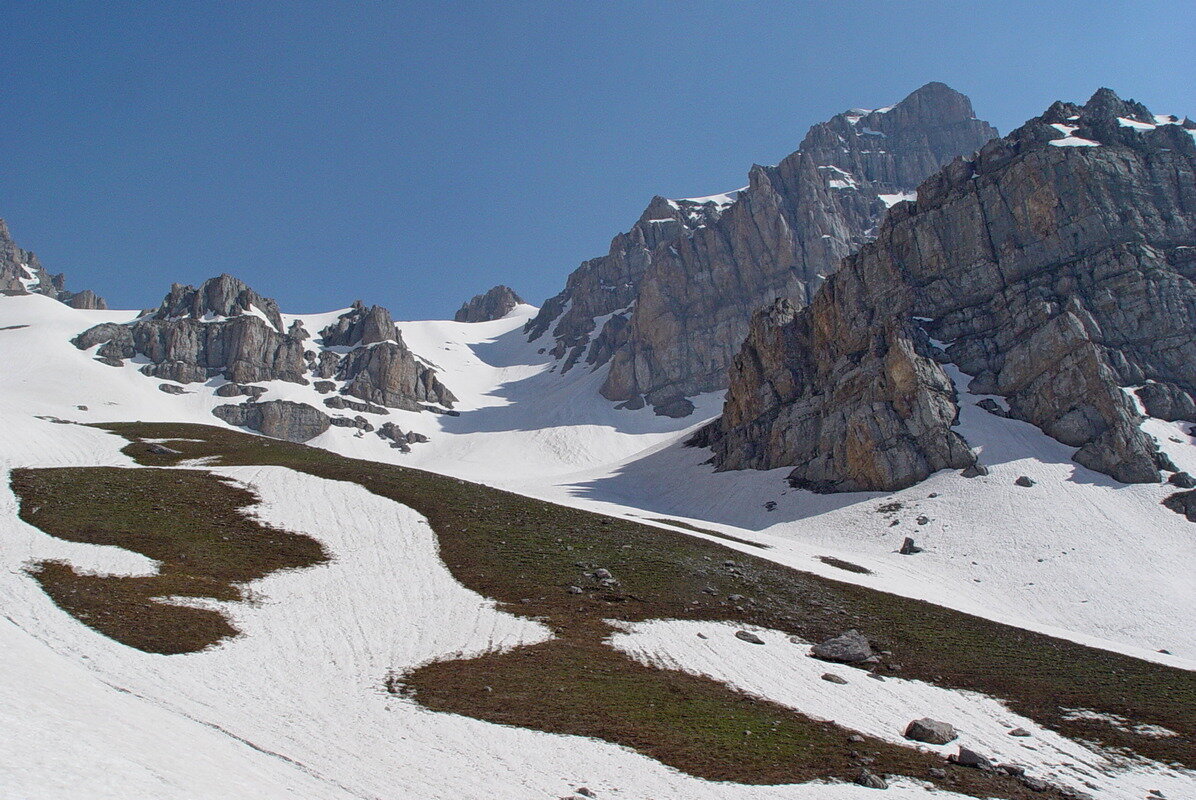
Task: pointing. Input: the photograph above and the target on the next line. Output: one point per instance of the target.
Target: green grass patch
(191, 522)
(527, 554)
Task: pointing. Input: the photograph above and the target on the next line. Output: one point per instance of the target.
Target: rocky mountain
(1054, 270)
(670, 304)
(22, 273)
(225, 329)
(494, 304)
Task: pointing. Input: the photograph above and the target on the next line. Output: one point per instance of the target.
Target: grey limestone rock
(1053, 276)
(494, 304)
(677, 291)
(850, 647)
(281, 419)
(22, 273)
(930, 731)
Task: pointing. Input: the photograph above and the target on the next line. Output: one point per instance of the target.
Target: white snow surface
(782, 670)
(294, 707)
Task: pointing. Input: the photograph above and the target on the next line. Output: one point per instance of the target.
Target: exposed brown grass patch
(527, 554)
(191, 522)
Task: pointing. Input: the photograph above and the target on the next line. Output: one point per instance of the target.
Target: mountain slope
(1055, 268)
(683, 284)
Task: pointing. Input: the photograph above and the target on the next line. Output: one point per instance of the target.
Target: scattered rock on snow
(970, 758)
(1019, 732)
(831, 677)
(171, 388)
(847, 648)
(930, 731)
(1183, 480)
(908, 548)
(1022, 480)
(748, 637)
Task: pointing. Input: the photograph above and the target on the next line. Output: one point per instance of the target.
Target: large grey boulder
(281, 419)
(850, 647)
(679, 289)
(494, 304)
(1051, 275)
(930, 731)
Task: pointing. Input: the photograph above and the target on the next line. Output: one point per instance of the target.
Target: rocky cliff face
(223, 328)
(1055, 268)
(671, 303)
(22, 273)
(494, 304)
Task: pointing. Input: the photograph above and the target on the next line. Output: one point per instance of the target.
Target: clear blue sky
(413, 154)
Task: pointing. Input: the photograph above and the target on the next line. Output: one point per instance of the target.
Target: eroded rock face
(221, 328)
(682, 285)
(494, 304)
(389, 374)
(281, 419)
(22, 273)
(360, 325)
(225, 328)
(1053, 268)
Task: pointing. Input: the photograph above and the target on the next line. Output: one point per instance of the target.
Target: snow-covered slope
(294, 708)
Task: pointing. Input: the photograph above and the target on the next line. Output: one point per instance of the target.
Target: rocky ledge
(1054, 268)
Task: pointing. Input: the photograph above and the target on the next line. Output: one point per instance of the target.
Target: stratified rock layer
(1054, 268)
(670, 305)
(22, 273)
(494, 304)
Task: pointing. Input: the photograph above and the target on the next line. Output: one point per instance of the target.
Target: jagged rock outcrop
(22, 273)
(221, 328)
(389, 374)
(672, 302)
(380, 369)
(494, 304)
(225, 328)
(281, 419)
(360, 325)
(222, 296)
(607, 287)
(1053, 268)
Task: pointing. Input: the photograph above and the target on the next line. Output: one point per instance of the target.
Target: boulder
(850, 647)
(749, 637)
(930, 731)
(281, 419)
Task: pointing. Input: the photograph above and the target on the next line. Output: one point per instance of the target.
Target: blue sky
(413, 154)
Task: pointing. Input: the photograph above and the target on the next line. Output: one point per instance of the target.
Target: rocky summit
(22, 273)
(494, 304)
(1053, 269)
(671, 303)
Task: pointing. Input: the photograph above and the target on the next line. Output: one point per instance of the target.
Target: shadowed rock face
(225, 328)
(22, 273)
(682, 285)
(1051, 271)
(494, 304)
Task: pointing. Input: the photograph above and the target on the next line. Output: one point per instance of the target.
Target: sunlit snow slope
(295, 707)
